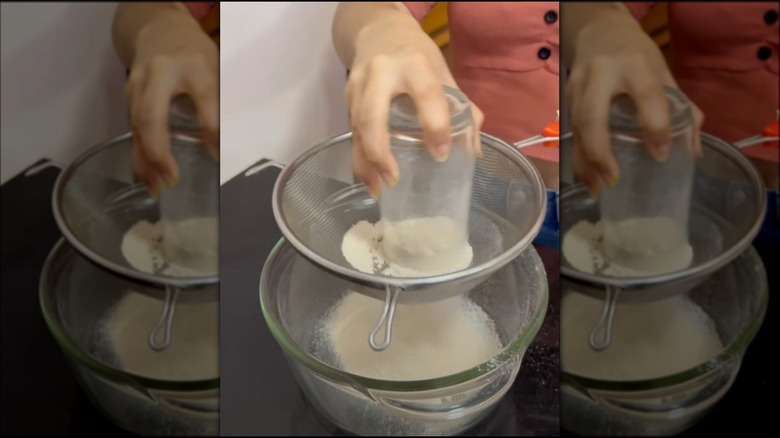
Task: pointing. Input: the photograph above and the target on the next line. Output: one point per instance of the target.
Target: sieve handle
(166, 320)
(604, 326)
(385, 320)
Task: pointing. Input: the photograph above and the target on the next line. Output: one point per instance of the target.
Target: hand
(169, 62)
(608, 63)
(389, 62)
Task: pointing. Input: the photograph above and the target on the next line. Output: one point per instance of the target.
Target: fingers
(145, 172)
(584, 170)
(364, 170)
(652, 106)
(432, 112)
(149, 116)
(204, 90)
(590, 116)
(370, 112)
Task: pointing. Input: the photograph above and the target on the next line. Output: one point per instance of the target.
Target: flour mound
(429, 340)
(180, 249)
(414, 248)
(186, 248)
(193, 352)
(649, 340)
(637, 248)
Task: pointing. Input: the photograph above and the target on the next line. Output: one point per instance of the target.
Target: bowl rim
(290, 347)
(71, 348)
(735, 348)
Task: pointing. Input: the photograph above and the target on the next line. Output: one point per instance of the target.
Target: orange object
(551, 130)
(770, 130)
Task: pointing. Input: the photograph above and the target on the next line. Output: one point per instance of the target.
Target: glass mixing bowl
(76, 296)
(735, 298)
(295, 295)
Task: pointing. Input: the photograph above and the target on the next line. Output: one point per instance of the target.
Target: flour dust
(414, 248)
(634, 248)
(429, 340)
(181, 249)
(649, 340)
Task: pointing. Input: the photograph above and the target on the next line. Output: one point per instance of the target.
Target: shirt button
(764, 53)
(770, 17)
(551, 17)
(545, 53)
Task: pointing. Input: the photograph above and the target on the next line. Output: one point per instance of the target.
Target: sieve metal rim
(634, 284)
(410, 283)
(184, 283)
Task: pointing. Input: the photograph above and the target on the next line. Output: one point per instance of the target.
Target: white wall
(282, 86)
(62, 84)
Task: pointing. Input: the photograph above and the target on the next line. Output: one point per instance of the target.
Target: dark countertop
(259, 393)
(39, 395)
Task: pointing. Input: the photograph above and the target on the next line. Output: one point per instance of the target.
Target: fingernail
(170, 180)
(479, 153)
(389, 179)
(699, 153)
(153, 194)
(441, 153)
(661, 152)
(594, 193)
(373, 193)
(612, 181)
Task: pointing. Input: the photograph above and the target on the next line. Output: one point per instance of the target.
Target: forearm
(132, 20)
(593, 16)
(384, 20)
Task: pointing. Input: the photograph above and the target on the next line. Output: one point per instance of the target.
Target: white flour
(183, 249)
(648, 340)
(193, 351)
(429, 340)
(413, 248)
(644, 247)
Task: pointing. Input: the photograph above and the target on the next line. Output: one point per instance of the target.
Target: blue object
(549, 235)
(769, 234)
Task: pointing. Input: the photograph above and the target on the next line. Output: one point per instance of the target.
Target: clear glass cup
(426, 214)
(189, 211)
(645, 216)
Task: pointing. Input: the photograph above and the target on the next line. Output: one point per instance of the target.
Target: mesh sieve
(317, 200)
(97, 199)
(728, 204)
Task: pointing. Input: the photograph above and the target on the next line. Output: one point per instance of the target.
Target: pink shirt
(505, 58)
(725, 58)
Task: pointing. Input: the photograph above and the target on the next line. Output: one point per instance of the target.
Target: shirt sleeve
(199, 10)
(420, 9)
(639, 9)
